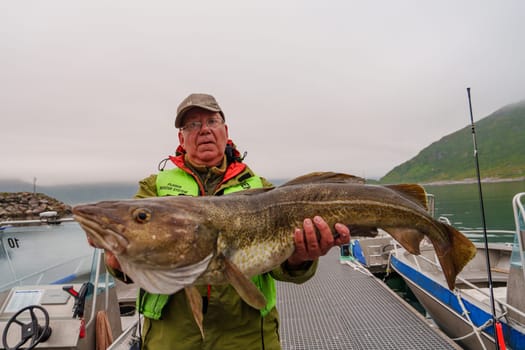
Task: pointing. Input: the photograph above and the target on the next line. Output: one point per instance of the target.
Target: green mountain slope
(501, 150)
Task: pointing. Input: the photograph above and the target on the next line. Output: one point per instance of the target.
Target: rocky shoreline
(471, 181)
(29, 206)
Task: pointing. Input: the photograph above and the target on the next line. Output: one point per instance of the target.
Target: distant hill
(501, 150)
(13, 185)
(77, 193)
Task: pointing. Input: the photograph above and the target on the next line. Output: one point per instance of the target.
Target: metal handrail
(42, 221)
(445, 220)
(10, 263)
(98, 260)
(358, 267)
(511, 232)
(519, 213)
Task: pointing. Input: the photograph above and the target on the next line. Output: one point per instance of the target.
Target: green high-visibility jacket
(229, 323)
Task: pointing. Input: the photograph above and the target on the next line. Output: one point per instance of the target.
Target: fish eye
(141, 215)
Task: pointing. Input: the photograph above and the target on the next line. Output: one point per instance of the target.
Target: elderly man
(207, 163)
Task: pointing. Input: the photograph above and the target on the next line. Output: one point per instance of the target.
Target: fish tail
(454, 256)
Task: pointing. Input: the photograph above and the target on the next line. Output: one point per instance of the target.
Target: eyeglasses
(212, 123)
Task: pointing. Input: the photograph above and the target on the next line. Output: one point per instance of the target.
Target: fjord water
(460, 203)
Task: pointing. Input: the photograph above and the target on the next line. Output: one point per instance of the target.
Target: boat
(55, 292)
(465, 313)
(372, 253)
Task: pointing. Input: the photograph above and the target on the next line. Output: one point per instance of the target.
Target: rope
(465, 313)
(358, 267)
(103, 335)
(480, 328)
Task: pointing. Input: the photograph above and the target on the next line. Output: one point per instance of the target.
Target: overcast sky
(89, 89)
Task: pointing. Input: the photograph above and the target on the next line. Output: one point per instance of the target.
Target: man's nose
(204, 127)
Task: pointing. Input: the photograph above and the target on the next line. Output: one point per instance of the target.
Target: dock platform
(342, 308)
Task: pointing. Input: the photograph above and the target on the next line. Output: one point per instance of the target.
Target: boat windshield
(43, 254)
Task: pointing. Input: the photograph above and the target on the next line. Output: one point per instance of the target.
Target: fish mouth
(102, 236)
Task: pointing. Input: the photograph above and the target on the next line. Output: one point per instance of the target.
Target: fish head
(162, 232)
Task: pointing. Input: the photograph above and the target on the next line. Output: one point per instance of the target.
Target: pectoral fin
(408, 237)
(362, 231)
(244, 286)
(195, 302)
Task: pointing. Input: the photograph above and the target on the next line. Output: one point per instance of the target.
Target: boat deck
(342, 308)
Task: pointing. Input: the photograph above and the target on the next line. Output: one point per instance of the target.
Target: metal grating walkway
(340, 308)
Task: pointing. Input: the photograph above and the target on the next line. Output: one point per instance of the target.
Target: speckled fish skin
(254, 230)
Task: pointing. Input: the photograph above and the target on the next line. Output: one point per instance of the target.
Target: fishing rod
(497, 325)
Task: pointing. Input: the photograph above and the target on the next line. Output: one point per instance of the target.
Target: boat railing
(43, 220)
(97, 262)
(101, 281)
(446, 220)
(509, 232)
(431, 204)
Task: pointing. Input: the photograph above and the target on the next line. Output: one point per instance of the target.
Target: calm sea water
(460, 203)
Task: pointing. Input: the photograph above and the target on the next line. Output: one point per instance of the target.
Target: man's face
(204, 145)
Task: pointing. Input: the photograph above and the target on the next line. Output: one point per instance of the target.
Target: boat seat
(500, 293)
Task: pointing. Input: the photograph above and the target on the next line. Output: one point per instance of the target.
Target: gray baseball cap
(204, 101)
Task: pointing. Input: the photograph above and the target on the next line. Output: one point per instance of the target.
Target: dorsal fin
(324, 177)
(414, 192)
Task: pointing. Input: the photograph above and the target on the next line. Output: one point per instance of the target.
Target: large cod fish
(166, 244)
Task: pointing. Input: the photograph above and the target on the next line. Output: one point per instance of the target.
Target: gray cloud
(89, 89)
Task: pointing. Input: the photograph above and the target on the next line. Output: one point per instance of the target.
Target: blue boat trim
(66, 279)
(357, 252)
(514, 338)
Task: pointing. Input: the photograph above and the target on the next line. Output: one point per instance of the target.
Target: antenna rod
(495, 322)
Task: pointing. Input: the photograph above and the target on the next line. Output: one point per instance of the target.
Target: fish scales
(268, 219)
(256, 243)
(289, 205)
